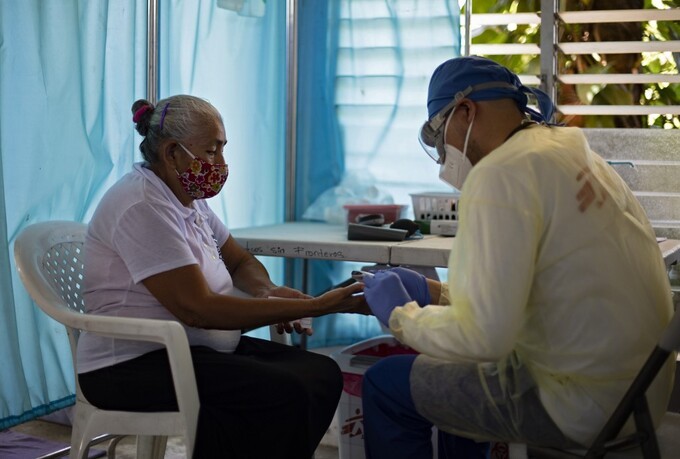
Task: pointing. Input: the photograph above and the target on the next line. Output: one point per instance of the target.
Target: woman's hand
(343, 299)
(282, 292)
(287, 292)
(296, 325)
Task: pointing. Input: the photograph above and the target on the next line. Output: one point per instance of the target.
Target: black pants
(266, 400)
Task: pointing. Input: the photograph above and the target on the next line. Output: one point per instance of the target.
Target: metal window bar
(619, 109)
(549, 18)
(644, 15)
(619, 47)
(506, 49)
(482, 19)
(578, 17)
(619, 78)
(612, 16)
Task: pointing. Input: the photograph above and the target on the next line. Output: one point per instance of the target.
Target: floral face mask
(202, 180)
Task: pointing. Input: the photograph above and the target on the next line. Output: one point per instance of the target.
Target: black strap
(523, 125)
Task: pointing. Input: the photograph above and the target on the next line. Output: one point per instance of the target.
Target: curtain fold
(388, 51)
(321, 159)
(67, 72)
(364, 67)
(237, 62)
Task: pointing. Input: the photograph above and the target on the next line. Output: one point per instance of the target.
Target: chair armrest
(153, 330)
(167, 332)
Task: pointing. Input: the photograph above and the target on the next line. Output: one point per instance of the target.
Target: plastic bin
(354, 360)
(435, 206)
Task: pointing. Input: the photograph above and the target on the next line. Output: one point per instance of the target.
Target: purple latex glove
(415, 284)
(383, 293)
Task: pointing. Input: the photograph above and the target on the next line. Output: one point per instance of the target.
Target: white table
(311, 241)
(430, 251)
(434, 251)
(321, 241)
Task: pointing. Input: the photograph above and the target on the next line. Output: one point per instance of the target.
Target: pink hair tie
(140, 111)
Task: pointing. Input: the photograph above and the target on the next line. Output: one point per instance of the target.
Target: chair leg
(645, 428)
(111, 450)
(149, 447)
(79, 444)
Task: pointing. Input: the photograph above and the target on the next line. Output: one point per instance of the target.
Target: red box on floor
(354, 360)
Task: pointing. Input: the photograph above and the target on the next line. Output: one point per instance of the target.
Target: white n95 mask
(456, 165)
(455, 168)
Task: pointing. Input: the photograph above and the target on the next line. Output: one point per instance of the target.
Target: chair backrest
(632, 404)
(49, 259)
(634, 400)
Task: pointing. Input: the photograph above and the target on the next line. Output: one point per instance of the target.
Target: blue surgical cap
(474, 77)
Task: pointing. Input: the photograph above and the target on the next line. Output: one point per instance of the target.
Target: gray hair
(177, 117)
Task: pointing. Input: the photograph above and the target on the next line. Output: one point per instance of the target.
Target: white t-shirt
(554, 260)
(140, 229)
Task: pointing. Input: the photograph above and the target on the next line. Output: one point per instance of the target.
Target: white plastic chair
(48, 257)
(645, 442)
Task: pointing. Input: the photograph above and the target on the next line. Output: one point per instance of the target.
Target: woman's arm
(250, 275)
(185, 292)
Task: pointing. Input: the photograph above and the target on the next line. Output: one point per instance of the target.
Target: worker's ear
(469, 109)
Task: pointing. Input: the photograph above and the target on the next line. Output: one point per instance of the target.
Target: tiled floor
(126, 448)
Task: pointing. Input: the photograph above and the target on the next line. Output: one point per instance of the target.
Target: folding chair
(645, 442)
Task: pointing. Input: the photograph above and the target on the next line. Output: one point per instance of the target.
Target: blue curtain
(320, 157)
(237, 62)
(236, 59)
(67, 72)
(76, 67)
(364, 67)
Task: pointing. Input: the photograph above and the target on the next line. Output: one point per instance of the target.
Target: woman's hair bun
(142, 110)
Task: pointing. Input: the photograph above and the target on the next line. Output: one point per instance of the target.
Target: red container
(353, 361)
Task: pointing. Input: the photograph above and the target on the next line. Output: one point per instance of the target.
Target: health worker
(556, 290)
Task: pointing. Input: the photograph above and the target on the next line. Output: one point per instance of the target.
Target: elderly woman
(154, 249)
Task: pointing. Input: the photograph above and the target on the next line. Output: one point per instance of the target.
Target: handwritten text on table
(296, 251)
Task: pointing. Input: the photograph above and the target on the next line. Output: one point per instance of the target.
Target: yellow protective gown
(556, 265)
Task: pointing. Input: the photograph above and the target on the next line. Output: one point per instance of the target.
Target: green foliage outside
(596, 94)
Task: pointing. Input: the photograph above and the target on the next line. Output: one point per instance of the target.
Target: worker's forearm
(435, 288)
